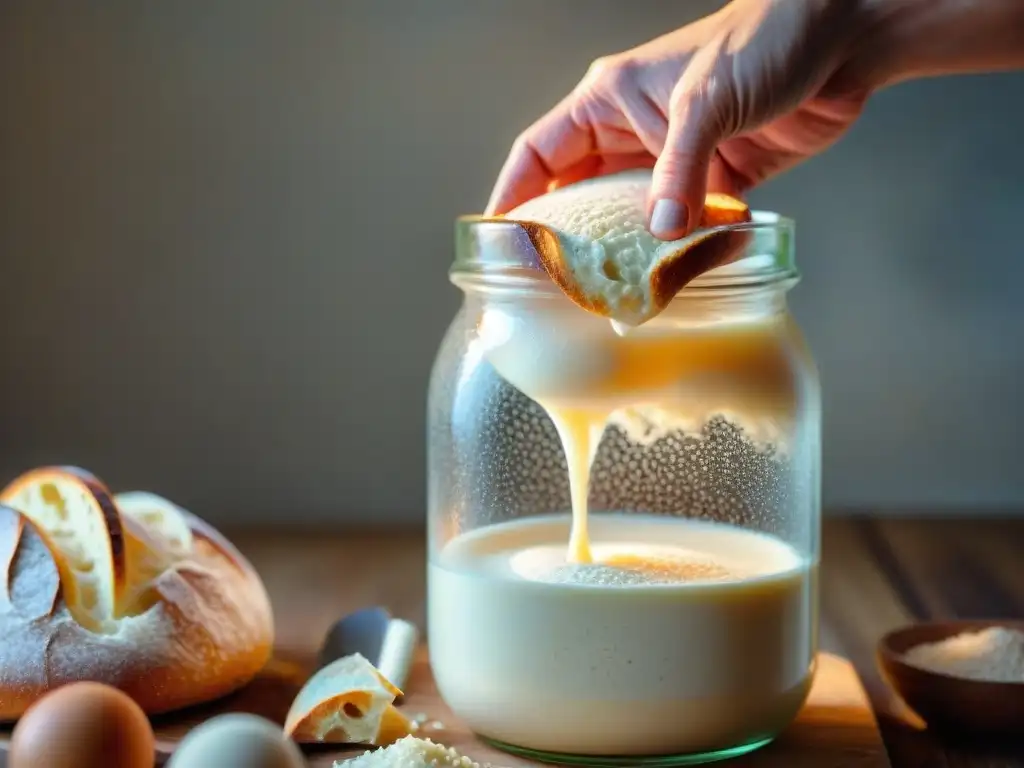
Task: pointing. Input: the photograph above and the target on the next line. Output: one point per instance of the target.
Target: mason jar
(623, 523)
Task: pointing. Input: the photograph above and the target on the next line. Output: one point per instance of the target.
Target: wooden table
(876, 574)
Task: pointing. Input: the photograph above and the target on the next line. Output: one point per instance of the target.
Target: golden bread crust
(102, 500)
(672, 272)
(206, 630)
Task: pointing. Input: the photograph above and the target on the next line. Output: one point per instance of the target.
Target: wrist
(903, 39)
(883, 39)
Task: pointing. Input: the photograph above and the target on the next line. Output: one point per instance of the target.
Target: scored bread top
(162, 520)
(109, 550)
(157, 535)
(77, 519)
(147, 598)
(592, 240)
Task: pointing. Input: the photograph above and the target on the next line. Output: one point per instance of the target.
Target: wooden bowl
(950, 705)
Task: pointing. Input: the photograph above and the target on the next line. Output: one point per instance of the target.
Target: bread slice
(347, 702)
(74, 514)
(592, 239)
(157, 536)
(180, 616)
(162, 520)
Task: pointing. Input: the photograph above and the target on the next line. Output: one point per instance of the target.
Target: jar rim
(490, 251)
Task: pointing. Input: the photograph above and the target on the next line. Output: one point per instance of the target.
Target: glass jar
(663, 606)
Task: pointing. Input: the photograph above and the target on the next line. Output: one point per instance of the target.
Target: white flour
(411, 752)
(995, 654)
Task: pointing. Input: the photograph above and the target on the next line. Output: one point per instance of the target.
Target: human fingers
(722, 177)
(615, 89)
(696, 123)
(554, 144)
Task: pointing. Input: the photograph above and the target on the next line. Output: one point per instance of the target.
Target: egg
(237, 741)
(83, 725)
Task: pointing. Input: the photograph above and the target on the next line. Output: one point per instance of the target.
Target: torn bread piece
(592, 239)
(347, 702)
(411, 752)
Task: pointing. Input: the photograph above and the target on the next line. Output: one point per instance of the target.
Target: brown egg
(83, 725)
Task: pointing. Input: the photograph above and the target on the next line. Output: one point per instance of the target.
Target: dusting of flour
(995, 654)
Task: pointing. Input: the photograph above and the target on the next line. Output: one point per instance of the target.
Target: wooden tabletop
(877, 574)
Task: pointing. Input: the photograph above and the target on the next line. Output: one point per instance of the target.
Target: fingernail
(668, 219)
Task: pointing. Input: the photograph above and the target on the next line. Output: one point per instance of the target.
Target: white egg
(237, 741)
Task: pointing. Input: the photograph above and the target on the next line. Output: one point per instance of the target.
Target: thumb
(680, 179)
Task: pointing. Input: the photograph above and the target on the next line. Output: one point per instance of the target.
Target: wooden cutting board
(835, 729)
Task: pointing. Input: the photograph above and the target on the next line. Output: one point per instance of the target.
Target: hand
(719, 105)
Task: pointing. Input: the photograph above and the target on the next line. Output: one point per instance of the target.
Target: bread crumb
(411, 752)
(993, 655)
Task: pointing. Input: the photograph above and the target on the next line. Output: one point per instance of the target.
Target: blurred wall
(225, 229)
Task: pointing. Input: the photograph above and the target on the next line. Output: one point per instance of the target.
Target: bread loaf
(127, 590)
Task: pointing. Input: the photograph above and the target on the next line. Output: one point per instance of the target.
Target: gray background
(224, 231)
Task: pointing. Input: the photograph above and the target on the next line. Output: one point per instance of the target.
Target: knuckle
(521, 145)
(692, 92)
(599, 66)
(611, 73)
(703, 105)
(676, 164)
(581, 110)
